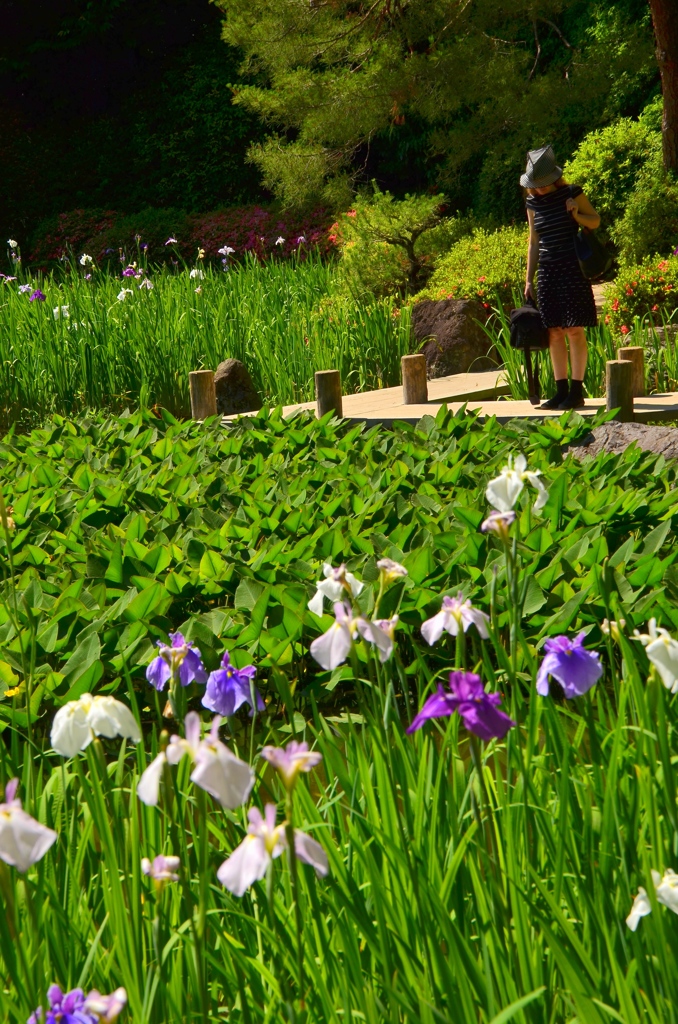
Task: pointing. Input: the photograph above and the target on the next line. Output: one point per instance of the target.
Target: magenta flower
(182, 658)
(568, 661)
(229, 687)
(455, 615)
(479, 710)
(106, 1008)
(161, 869)
(37, 296)
(129, 272)
(498, 523)
(290, 760)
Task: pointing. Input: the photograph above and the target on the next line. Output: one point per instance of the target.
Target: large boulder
(234, 388)
(616, 437)
(450, 337)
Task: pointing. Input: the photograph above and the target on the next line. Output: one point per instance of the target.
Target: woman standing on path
(565, 296)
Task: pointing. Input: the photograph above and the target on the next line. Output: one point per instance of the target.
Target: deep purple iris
(182, 658)
(568, 661)
(129, 272)
(37, 296)
(479, 710)
(229, 687)
(64, 1008)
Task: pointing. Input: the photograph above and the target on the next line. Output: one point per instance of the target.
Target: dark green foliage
(150, 124)
(481, 82)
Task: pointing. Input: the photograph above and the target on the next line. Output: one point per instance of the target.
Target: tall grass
(284, 321)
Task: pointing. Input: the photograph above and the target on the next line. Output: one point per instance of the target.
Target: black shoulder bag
(594, 259)
(529, 334)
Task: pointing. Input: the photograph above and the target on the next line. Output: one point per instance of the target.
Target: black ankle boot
(575, 397)
(560, 396)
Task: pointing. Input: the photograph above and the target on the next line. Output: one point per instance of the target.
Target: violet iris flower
(37, 296)
(25, 288)
(129, 272)
(568, 661)
(229, 687)
(182, 658)
(64, 1008)
(477, 708)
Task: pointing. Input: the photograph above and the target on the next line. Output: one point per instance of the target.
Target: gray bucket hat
(541, 169)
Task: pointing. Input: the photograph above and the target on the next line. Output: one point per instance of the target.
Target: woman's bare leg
(578, 351)
(558, 350)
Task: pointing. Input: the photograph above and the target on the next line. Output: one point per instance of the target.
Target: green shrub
(648, 287)
(650, 223)
(388, 246)
(481, 264)
(609, 162)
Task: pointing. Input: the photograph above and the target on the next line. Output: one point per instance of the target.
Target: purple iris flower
(64, 1008)
(37, 295)
(129, 272)
(568, 661)
(229, 687)
(24, 288)
(182, 658)
(478, 709)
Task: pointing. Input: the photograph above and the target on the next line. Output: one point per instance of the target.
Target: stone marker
(415, 385)
(234, 389)
(201, 386)
(618, 388)
(616, 437)
(328, 392)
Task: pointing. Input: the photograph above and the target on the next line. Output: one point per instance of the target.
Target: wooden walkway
(482, 392)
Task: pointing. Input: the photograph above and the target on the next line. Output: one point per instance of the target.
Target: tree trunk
(665, 19)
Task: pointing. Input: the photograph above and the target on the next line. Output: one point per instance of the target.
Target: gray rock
(450, 338)
(616, 437)
(234, 388)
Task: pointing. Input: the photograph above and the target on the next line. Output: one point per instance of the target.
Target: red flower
(615, 305)
(655, 308)
(629, 291)
(624, 329)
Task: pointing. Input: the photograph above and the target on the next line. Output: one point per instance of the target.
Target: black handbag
(594, 259)
(528, 333)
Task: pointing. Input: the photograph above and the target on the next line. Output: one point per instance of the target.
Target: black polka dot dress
(564, 295)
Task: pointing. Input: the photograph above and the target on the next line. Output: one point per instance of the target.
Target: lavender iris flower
(64, 1008)
(478, 709)
(129, 272)
(182, 658)
(37, 296)
(25, 288)
(229, 687)
(568, 661)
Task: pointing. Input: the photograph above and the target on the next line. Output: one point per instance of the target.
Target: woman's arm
(583, 212)
(532, 257)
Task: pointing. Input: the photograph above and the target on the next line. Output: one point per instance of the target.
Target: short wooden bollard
(328, 392)
(415, 385)
(619, 388)
(203, 395)
(635, 355)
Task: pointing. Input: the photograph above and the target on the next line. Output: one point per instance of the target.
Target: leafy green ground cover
(101, 350)
(485, 883)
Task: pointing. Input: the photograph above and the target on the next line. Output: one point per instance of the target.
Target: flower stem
(294, 872)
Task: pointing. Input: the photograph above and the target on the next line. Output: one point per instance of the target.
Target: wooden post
(636, 355)
(203, 395)
(619, 388)
(415, 385)
(328, 392)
